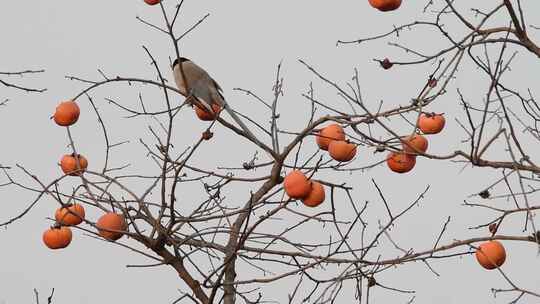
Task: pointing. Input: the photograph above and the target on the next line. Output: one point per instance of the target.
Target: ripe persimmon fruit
(296, 184)
(152, 2)
(400, 162)
(68, 163)
(110, 226)
(70, 215)
(67, 113)
(328, 134)
(385, 5)
(491, 254)
(341, 150)
(316, 195)
(205, 114)
(57, 237)
(431, 123)
(415, 143)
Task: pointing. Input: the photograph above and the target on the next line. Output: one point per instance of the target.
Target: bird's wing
(197, 82)
(217, 85)
(219, 90)
(209, 89)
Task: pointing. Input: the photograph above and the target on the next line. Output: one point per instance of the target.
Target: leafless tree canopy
(7, 80)
(225, 251)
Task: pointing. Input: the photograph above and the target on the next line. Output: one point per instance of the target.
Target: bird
(202, 87)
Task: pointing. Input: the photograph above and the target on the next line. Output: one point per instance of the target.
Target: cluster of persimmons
(404, 160)
(109, 226)
(332, 138)
(297, 185)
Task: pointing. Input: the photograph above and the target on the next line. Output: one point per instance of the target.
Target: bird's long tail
(237, 119)
(220, 99)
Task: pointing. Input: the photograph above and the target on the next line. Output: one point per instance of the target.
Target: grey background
(241, 44)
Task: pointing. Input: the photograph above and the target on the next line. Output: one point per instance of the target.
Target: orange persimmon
(70, 215)
(296, 184)
(400, 162)
(111, 225)
(328, 134)
(67, 113)
(385, 5)
(316, 195)
(57, 237)
(341, 150)
(68, 163)
(491, 254)
(205, 114)
(431, 123)
(414, 144)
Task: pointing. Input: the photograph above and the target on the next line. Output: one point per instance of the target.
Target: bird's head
(179, 60)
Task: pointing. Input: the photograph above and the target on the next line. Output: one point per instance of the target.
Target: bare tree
(226, 252)
(7, 82)
(49, 298)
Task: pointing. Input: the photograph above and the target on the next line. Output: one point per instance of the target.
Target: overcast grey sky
(241, 43)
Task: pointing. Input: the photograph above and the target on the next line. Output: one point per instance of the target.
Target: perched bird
(201, 86)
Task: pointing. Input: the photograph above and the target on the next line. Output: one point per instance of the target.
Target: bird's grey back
(201, 84)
